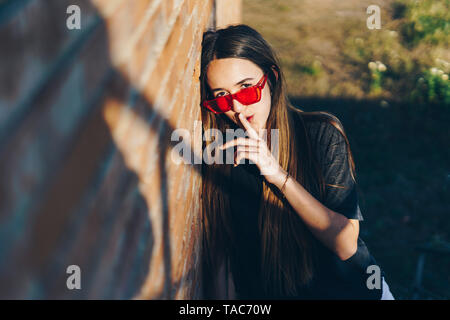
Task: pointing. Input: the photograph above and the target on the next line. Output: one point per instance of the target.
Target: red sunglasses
(245, 96)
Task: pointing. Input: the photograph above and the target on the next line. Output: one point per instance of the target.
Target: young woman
(286, 223)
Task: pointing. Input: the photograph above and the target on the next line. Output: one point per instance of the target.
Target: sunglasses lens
(245, 96)
(219, 105)
(248, 95)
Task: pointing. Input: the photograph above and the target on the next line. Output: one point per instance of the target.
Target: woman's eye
(245, 85)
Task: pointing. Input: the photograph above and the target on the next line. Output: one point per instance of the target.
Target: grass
(396, 119)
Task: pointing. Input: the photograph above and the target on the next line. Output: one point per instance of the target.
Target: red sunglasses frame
(229, 97)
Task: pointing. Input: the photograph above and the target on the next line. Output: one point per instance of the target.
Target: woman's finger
(251, 132)
(248, 148)
(253, 156)
(239, 141)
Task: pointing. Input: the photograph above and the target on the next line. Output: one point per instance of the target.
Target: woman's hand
(255, 149)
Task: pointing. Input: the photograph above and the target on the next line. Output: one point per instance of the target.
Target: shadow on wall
(67, 193)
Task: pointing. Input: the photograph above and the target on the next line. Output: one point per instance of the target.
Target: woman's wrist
(284, 183)
(279, 178)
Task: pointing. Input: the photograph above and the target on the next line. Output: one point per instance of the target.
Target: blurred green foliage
(414, 48)
(426, 20)
(432, 87)
(377, 70)
(311, 68)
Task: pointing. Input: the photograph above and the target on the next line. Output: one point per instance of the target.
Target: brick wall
(86, 170)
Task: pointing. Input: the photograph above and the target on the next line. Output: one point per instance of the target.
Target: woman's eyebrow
(243, 80)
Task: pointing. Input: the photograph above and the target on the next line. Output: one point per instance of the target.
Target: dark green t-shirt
(334, 278)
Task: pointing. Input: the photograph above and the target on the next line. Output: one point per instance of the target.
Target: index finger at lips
(251, 132)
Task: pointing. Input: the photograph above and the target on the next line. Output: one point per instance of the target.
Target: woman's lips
(249, 119)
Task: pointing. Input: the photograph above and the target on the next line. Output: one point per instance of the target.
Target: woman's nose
(237, 106)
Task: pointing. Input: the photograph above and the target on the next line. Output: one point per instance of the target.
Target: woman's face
(228, 76)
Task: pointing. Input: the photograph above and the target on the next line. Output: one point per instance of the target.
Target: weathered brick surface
(86, 170)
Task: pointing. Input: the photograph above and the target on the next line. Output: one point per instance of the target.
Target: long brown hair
(287, 245)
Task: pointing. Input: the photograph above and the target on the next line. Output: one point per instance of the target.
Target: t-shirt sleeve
(341, 193)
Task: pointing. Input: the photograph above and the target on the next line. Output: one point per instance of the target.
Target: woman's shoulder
(322, 127)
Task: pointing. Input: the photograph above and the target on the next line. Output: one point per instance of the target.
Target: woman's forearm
(333, 229)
